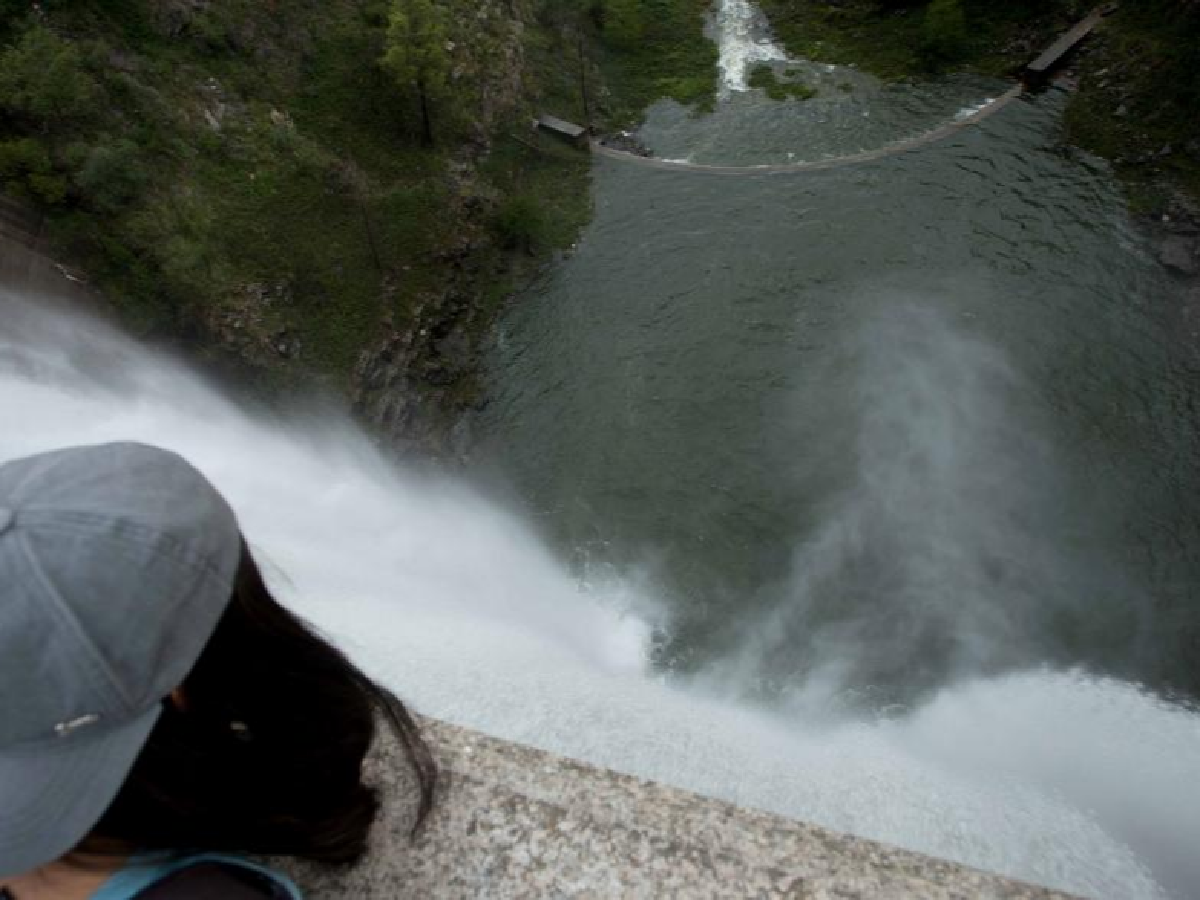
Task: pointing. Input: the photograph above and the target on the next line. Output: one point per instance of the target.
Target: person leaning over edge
(160, 712)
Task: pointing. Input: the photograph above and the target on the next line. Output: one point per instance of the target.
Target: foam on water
(851, 111)
(967, 111)
(1086, 784)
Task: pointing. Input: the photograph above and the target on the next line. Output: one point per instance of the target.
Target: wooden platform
(1038, 71)
(570, 132)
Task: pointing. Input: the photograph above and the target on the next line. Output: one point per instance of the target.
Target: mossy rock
(765, 78)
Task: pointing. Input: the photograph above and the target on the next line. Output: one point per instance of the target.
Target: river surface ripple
(871, 432)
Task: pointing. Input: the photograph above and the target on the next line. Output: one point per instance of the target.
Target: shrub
(519, 223)
(112, 175)
(26, 170)
(417, 54)
(763, 76)
(45, 78)
(944, 35)
(22, 156)
(623, 23)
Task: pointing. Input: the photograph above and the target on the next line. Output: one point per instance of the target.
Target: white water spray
(973, 109)
(1087, 785)
(939, 556)
(742, 40)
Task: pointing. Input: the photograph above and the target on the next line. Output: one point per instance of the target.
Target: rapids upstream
(867, 496)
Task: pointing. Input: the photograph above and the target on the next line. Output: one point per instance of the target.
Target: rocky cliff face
(414, 383)
(417, 379)
(420, 373)
(26, 264)
(248, 183)
(1175, 230)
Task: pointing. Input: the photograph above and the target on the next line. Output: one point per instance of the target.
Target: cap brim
(53, 793)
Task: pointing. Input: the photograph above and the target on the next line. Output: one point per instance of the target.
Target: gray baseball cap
(116, 562)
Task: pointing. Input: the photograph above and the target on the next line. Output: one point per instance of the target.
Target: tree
(44, 78)
(26, 170)
(520, 223)
(623, 22)
(418, 54)
(943, 32)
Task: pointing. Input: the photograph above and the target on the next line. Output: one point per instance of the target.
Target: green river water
(871, 492)
(873, 429)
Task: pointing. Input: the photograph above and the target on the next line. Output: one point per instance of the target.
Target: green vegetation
(1140, 72)
(416, 55)
(1138, 97)
(288, 189)
(535, 214)
(899, 39)
(944, 36)
(602, 62)
(25, 165)
(764, 77)
(653, 49)
(262, 180)
(519, 223)
(279, 186)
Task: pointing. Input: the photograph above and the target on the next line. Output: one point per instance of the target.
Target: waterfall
(743, 39)
(452, 600)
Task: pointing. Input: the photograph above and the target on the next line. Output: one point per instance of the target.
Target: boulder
(1179, 253)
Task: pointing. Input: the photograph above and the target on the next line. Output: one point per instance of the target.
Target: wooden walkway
(1038, 71)
(568, 131)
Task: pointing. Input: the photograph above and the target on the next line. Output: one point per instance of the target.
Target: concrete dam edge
(514, 821)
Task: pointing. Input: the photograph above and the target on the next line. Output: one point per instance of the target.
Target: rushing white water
(742, 41)
(968, 111)
(851, 111)
(1085, 784)
(936, 560)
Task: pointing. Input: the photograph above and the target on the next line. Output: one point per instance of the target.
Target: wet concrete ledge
(519, 822)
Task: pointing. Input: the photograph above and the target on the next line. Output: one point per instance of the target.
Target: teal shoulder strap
(142, 873)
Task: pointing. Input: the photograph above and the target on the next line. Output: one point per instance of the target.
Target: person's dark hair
(265, 754)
